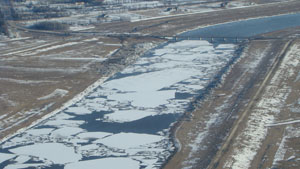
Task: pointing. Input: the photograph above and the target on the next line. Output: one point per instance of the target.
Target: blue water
(247, 28)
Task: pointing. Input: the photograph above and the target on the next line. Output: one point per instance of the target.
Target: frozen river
(125, 122)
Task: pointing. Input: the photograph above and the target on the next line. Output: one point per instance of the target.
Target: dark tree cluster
(3, 26)
(53, 26)
(74, 1)
(43, 9)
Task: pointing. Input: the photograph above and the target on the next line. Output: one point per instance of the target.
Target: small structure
(79, 3)
(224, 4)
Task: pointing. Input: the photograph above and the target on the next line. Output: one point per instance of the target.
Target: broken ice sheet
(161, 85)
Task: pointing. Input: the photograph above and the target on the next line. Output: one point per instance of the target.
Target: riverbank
(207, 128)
(268, 136)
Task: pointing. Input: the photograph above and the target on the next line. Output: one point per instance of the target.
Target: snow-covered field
(124, 123)
(81, 17)
(264, 115)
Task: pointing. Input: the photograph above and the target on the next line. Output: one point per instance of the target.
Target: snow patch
(55, 93)
(80, 28)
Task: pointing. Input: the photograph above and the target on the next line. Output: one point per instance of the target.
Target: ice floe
(127, 115)
(64, 123)
(66, 131)
(5, 156)
(22, 159)
(54, 152)
(111, 163)
(27, 165)
(96, 135)
(38, 132)
(78, 110)
(129, 140)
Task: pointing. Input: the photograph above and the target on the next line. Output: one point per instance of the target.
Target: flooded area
(125, 122)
